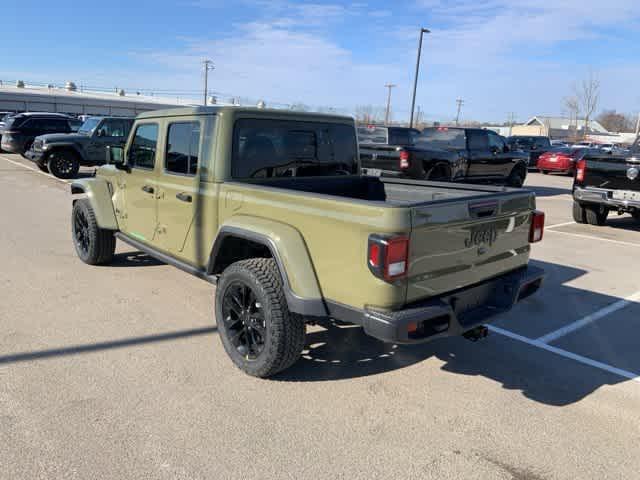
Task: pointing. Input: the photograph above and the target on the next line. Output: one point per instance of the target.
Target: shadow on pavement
(134, 259)
(340, 352)
(624, 223)
(95, 347)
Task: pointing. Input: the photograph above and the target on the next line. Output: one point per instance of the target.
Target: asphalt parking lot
(117, 372)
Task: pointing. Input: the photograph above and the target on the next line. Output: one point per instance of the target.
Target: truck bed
(460, 235)
(382, 190)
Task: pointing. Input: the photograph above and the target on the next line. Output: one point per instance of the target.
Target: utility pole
(511, 121)
(460, 103)
(388, 112)
(208, 66)
(415, 80)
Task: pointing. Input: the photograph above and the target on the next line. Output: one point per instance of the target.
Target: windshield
(520, 141)
(372, 134)
(442, 137)
(284, 148)
(89, 126)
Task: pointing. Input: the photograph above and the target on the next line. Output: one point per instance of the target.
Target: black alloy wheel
(81, 233)
(63, 164)
(244, 320)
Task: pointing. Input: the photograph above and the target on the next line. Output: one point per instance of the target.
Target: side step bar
(152, 252)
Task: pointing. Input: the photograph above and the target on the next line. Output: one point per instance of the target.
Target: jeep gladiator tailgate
(460, 242)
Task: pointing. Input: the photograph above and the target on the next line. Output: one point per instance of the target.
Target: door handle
(148, 189)
(184, 197)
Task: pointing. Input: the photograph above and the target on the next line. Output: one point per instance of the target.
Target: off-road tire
(285, 331)
(596, 215)
(100, 243)
(516, 177)
(57, 159)
(579, 213)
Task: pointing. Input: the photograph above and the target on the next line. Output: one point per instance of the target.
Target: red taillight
(581, 170)
(388, 256)
(405, 157)
(536, 231)
(374, 255)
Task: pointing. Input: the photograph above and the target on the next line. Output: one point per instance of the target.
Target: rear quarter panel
(336, 233)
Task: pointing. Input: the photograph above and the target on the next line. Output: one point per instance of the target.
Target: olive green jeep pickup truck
(271, 207)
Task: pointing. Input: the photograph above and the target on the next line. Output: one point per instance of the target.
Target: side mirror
(115, 157)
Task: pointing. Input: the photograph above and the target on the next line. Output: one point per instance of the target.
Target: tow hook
(477, 333)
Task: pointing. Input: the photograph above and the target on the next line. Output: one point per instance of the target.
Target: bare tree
(588, 95)
(572, 104)
(369, 114)
(616, 122)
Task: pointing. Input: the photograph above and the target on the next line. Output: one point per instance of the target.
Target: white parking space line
(34, 169)
(603, 312)
(591, 237)
(563, 353)
(560, 225)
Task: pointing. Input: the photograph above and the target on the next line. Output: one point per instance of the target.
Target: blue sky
(500, 56)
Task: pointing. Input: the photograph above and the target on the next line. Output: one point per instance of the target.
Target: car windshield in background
(372, 134)
(442, 137)
(520, 142)
(285, 148)
(89, 126)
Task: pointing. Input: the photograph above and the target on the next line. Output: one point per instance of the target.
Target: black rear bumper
(454, 313)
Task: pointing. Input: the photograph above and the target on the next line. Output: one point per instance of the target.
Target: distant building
(25, 98)
(558, 127)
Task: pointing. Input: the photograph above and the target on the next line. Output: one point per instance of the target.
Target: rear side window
(478, 140)
(183, 148)
(442, 137)
(142, 152)
(286, 148)
(495, 141)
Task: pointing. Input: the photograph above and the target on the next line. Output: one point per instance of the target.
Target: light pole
(460, 102)
(208, 66)
(386, 116)
(415, 81)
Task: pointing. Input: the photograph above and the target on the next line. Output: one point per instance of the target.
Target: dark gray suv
(63, 154)
(20, 130)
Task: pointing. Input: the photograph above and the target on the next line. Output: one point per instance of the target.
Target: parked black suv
(534, 146)
(20, 130)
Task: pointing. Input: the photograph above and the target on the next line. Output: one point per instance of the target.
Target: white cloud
(498, 54)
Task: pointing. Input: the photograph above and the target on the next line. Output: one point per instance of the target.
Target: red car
(562, 160)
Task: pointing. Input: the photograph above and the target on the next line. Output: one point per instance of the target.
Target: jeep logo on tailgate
(484, 235)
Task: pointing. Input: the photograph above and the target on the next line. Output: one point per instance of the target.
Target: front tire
(94, 245)
(63, 164)
(256, 328)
